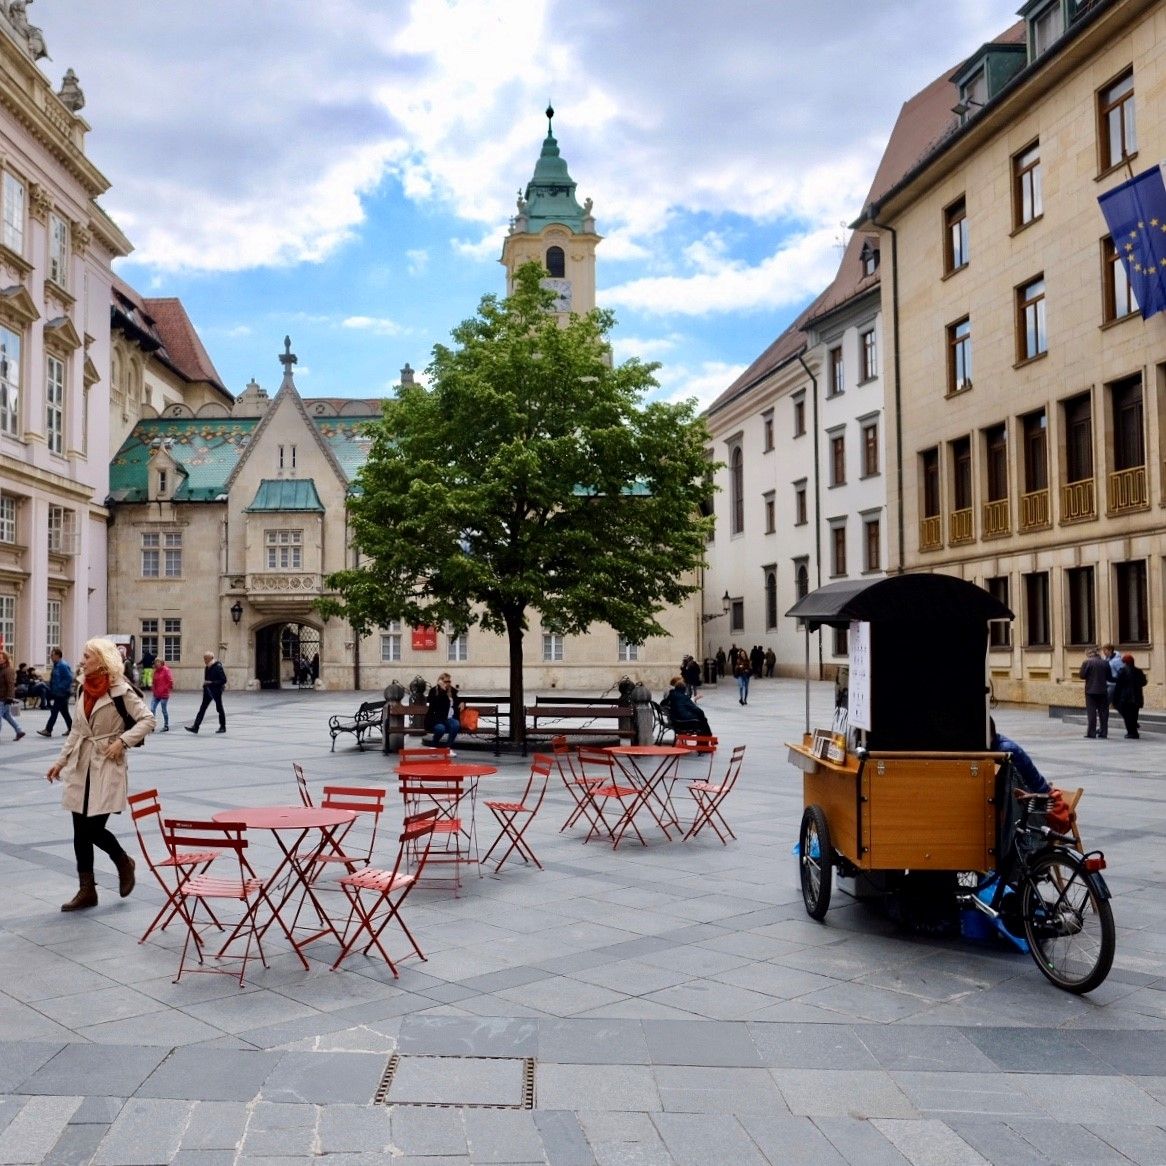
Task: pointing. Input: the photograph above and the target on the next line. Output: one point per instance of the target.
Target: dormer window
(1045, 27)
(869, 257)
(163, 483)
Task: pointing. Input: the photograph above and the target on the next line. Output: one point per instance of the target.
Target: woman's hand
(53, 774)
(115, 750)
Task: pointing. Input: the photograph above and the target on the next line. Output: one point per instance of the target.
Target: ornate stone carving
(72, 98)
(32, 36)
(80, 236)
(40, 202)
(295, 584)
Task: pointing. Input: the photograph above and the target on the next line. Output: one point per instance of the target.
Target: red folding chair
(515, 818)
(389, 889)
(598, 770)
(573, 783)
(302, 784)
(443, 795)
(412, 756)
(352, 846)
(709, 798)
(172, 870)
(247, 888)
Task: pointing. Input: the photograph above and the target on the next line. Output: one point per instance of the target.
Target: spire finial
(287, 359)
(550, 116)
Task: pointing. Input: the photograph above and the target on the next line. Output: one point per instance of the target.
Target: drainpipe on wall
(872, 213)
(817, 503)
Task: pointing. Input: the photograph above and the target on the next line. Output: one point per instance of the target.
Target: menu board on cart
(858, 698)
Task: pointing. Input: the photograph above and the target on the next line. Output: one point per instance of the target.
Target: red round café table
(463, 774)
(655, 787)
(292, 868)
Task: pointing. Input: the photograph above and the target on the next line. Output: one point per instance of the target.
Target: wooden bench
(408, 720)
(551, 713)
(364, 724)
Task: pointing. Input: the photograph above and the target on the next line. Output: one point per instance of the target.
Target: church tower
(551, 228)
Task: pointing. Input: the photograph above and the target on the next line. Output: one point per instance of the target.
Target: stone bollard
(642, 704)
(392, 725)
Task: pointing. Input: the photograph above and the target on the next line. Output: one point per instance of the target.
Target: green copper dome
(550, 194)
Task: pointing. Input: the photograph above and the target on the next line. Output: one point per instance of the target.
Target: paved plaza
(663, 1004)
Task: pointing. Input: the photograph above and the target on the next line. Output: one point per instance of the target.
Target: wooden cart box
(915, 811)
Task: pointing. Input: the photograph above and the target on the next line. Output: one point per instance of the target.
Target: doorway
(287, 655)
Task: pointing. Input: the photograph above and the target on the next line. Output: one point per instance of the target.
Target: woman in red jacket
(162, 686)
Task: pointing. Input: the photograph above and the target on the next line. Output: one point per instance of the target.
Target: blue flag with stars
(1136, 215)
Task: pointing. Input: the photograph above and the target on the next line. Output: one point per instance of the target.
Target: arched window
(736, 491)
(556, 262)
(770, 600)
(803, 579)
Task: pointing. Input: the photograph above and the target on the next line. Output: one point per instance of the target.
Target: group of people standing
(1111, 681)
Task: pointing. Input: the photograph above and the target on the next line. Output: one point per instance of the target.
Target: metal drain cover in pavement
(458, 1082)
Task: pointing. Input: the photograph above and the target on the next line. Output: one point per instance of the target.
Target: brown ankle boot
(125, 874)
(86, 896)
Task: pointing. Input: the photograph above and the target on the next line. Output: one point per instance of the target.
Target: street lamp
(726, 603)
(236, 611)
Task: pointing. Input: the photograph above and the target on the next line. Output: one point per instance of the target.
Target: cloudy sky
(344, 170)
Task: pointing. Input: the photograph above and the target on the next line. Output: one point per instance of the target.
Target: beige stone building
(56, 248)
(1031, 392)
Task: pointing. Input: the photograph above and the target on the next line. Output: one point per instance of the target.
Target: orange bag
(468, 718)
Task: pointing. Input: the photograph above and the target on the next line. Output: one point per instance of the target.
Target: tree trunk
(517, 686)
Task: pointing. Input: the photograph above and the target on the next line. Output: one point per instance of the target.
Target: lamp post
(726, 603)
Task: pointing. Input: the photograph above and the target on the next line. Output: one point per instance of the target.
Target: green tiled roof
(287, 494)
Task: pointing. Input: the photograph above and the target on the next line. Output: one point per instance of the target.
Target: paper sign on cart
(858, 698)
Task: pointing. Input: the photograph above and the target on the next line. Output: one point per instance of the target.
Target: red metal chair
(170, 871)
(302, 784)
(389, 889)
(246, 888)
(412, 756)
(353, 846)
(444, 796)
(515, 818)
(598, 770)
(709, 798)
(700, 747)
(573, 783)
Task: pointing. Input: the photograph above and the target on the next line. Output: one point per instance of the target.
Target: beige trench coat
(84, 752)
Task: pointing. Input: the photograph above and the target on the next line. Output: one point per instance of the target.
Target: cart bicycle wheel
(815, 862)
(1068, 922)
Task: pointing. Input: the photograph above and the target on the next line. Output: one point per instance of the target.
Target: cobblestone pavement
(670, 1003)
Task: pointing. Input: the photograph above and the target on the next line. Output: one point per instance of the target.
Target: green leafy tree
(529, 475)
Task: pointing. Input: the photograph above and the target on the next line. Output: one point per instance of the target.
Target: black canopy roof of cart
(924, 597)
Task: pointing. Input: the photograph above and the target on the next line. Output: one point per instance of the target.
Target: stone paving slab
(678, 1004)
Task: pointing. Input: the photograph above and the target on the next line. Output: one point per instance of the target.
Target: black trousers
(209, 694)
(89, 833)
(1129, 714)
(60, 709)
(1097, 713)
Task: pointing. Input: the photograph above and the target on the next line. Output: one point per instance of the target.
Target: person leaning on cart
(1030, 777)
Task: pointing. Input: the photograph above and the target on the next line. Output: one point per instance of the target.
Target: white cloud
(704, 382)
(378, 326)
(418, 259)
(644, 347)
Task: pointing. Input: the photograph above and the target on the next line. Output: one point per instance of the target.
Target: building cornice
(20, 473)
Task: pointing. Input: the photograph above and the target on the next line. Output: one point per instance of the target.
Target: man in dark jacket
(60, 689)
(214, 680)
(1095, 673)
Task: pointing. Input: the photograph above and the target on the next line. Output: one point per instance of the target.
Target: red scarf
(94, 687)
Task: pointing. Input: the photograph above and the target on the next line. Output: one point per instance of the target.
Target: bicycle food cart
(902, 787)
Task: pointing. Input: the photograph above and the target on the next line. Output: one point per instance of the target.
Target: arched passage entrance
(287, 654)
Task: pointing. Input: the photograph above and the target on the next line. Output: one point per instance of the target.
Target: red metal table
(290, 826)
(655, 787)
(453, 771)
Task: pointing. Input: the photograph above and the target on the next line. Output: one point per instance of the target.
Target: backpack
(119, 702)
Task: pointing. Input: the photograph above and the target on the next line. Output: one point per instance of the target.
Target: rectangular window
(552, 647)
(999, 630)
(1118, 299)
(55, 404)
(736, 491)
(1133, 615)
(800, 517)
(959, 355)
(62, 540)
(955, 244)
(627, 653)
(14, 199)
(53, 609)
(172, 554)
(870, 449)
(799, 416)
(1078, 439)
(1036, 610)
(9, 381)
(8, 619)
(770, 500)
(872, 544)
(172, 640)
(841, 641)
(1036, 451)
(149, 638)
(961, 474)
(870, 355)
(737, 615)
(1129, 441)
(459, 648)
(929, 468)
(767, 428)
(996, 458)
(58, 251)
(1079, 595)
(7, 519)
(287, 457)
(1117, 139)
(284, 550)
(838, 549)
(838, 459)
(1047, 28)
(1032, 338)
(151, 555)
(837, 372)
(391, 642)
(1027, 198)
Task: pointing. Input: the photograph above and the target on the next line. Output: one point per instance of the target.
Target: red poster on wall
(424, 639)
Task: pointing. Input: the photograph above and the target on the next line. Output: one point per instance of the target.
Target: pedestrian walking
(162, 687)
(60, 690)
(8, 693)
(1127, 696)
(742, 672)
(111, 717)
(1095, 672)
(214, 680)
(770, 661)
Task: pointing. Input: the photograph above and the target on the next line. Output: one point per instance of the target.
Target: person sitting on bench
(686, 715)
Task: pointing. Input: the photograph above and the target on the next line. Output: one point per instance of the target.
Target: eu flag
(1136, 215)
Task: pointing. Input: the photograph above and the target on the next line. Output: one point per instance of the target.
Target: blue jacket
(61, 680)
(1030, 776)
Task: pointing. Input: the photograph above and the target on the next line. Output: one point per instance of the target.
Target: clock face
(562, 290)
